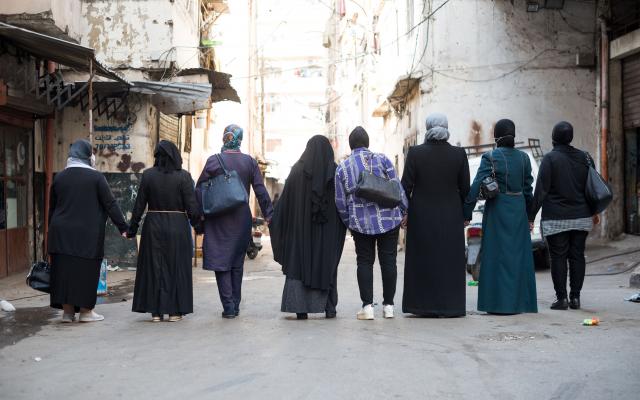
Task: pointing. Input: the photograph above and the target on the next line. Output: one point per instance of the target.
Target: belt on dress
(166, 211)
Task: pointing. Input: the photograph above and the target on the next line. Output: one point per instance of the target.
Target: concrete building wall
(66, 14)
(143, 34)
(490, 60)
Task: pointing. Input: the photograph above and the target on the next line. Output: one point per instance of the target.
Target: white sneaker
(68, 318)
(387, 311)
(90, 317)
(366, 313)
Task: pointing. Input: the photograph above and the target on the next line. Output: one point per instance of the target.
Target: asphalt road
(265, 354)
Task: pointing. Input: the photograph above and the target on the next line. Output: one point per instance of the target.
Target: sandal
(156, 318)
(175, 318)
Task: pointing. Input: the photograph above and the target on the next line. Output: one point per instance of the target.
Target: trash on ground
(6, 306)
(37, 359)
(591, 322)
(472, 283)
(111, 268)
(131, 268)
(635, 298)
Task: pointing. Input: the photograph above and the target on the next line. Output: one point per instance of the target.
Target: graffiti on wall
(113, 137)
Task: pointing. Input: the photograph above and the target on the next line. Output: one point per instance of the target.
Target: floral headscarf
(232, 137)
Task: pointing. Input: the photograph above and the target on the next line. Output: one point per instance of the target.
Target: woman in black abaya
(307, 234)
(163, 277)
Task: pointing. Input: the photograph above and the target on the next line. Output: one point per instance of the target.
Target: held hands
(531, 224)
(467, 223)
(404, 222)
(596, 219)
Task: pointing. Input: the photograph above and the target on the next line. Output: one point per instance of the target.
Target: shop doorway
(14, 202)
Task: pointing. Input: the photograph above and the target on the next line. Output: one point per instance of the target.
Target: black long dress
(436, 180)
(307, 234)
(80, 202)
(164, 276)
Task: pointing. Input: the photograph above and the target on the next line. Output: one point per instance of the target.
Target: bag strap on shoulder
(224, 167)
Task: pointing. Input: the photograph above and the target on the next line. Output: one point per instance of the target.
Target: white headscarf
(437, 127)
(73, 162)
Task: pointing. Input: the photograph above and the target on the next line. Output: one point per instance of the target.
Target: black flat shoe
(228, 315)
(330, 315)
(236, 313)
(302, 315)
(574, 303)
(560, 304)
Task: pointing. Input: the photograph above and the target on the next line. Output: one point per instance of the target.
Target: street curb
(634, 279)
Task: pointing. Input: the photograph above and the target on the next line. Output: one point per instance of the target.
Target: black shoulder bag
(223, 192)
(382, 191)
(597, 191)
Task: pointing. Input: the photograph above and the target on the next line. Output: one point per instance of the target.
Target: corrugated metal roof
(60, 51)
(168, 97)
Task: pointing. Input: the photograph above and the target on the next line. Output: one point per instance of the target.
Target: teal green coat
(507, 276)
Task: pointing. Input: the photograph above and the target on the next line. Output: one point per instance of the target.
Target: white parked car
(473, 233)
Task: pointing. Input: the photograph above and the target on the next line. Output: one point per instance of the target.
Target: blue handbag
(223, 193)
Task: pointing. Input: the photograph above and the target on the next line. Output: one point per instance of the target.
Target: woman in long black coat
(163, 277)
(307, 234)
(436, 181)
(79, 205)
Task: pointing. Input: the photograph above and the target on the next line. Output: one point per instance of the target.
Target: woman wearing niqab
(163, 277)
(307, 234)
(507, 283)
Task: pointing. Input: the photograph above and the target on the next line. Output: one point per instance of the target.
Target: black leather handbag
(597, 191)
(39, 277)
(382, 191)
(223, 192)
(489, 187)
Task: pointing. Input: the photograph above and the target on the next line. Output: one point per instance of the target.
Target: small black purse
(39, 277)
(489, 187)
(382, 191)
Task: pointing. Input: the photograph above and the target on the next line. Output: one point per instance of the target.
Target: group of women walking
(318, 204)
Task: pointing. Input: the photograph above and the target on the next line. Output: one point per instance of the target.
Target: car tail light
(474, 232)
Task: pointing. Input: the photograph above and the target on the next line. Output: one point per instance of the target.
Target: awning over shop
(221, 89)
(168, 97)
(60, 51)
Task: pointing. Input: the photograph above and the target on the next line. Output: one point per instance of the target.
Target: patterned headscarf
(232, 137)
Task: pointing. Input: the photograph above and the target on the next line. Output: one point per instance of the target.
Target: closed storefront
(631, 123)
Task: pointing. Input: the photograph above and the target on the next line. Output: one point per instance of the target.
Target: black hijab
(307, 234)
(505, 133)
(168, 157)
(562, 133)
(319, 167)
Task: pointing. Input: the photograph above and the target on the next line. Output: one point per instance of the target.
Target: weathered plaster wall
(66, 14)
(141, 34)
(498, 61)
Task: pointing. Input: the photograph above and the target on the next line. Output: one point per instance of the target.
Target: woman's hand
(596, 219)
(531, 225)
(405, 222)
(467, 223)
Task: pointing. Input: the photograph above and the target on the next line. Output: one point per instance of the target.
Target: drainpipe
(48, 163)
(604, 99)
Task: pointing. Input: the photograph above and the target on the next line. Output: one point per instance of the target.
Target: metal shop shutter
(169, 128)
(631, 92)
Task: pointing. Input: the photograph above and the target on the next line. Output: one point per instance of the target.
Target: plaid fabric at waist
(555, 226)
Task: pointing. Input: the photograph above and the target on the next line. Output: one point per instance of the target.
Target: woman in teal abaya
(507, 276)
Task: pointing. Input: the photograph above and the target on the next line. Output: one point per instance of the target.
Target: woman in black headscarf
(163, 277)
(307, 234)
(507, 277)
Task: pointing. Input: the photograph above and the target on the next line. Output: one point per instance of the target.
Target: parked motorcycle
(255, 244)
